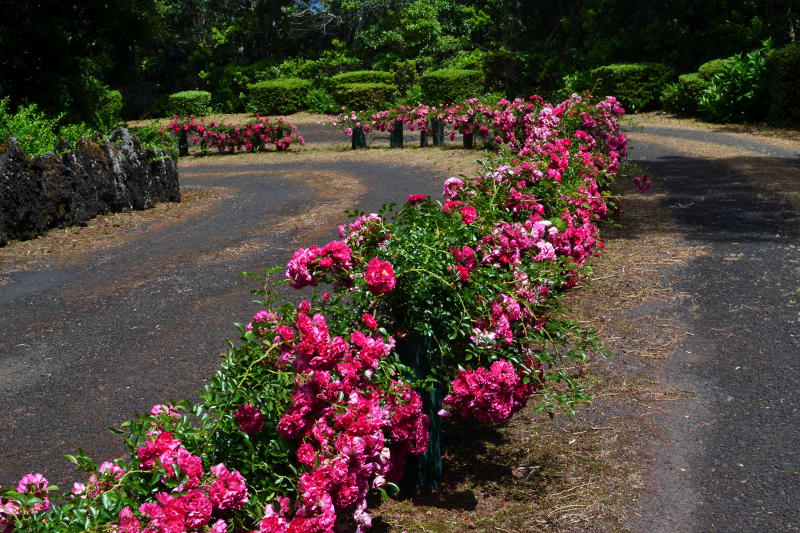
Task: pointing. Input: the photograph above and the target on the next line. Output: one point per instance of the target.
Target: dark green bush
(451, 85)
(683, 97)
(363, 76)
(783, 67)
(197, 103)
(228, 84)
(739, 92)
(405, 74)
(109, 109)
(360, 96)
(278, 97)
(637, 86)
(320, 101)
(707, 70)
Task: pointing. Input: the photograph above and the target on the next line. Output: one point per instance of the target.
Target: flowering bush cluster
(314, 408)
(251, 136)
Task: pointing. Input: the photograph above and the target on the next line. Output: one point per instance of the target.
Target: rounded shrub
(683, 97)
(364, 95)
(739, 92)
(783, 67)
(707, 70)
(363, 76)
(637, 86)
(278, 97)
(185, 103)
(451, 85)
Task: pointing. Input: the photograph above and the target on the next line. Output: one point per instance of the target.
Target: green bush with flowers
(316, 408)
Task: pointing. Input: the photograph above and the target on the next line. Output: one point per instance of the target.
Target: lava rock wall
(55, 191)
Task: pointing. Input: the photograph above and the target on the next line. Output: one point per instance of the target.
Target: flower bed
(251, 136)
(314, 409)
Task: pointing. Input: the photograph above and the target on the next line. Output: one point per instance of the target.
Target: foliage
(184, 103)
(405, 74)
(451, 85)
(34, 132)
(709, 69)
(278, 97)
(320, 101)
(636, 85)
(783, 66)
(364, 76)
(364, 95)
(683, 97)
(738, 92)
(228, 84)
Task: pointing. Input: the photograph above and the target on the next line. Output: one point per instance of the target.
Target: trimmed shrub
(683, 97)
(364, 95)
(363, 76)
(783, 67)
(278, 97)
(637, 86)
(451, 85)
(185, 103)
(707, 70)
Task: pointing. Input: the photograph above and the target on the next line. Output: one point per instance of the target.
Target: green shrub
(405, 74)
(637, 86)
(320, 101)
(451, 85)
(109, 110)
(34, 132)
(412, 96)
(363, 76)
(707, 70)
(683, 97)
(278, 97)
(228, 84)
(359, 96)
(783, 67)
(197, 103)
(739, 92)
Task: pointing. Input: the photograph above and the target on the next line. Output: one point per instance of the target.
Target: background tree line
(63, 56)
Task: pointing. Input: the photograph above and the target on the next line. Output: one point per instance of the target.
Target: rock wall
(55, 191)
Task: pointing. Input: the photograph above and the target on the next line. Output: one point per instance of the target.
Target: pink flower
(249, 418)
(415, 199)
(369, 321)
(35, 485)
(305, 454)
(642, 183)
(379, 276)
(228, 491)
(468, 214)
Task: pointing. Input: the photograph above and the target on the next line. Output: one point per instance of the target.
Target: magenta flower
(415, 199)
(249, 418)
(379, 276)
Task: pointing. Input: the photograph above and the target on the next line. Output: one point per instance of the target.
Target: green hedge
(783, 66)
(637, 86)
(360, 96)
(363, 76)
(185, 103)
(683, 97)
(707, 70)
(451, 85)
(278, 97)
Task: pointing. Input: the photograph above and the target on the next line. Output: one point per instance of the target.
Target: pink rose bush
(316, 407)
(252, 136)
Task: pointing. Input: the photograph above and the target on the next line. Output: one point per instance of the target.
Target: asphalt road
(730, 459)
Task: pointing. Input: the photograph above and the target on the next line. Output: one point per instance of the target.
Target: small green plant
(320, 101)
(738, 92)
(35, 132)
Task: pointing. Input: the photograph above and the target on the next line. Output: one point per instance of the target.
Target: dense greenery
(451, 85)
(636, 85)
(67, 56)
(784, 84)
(190, 103)
(278, 97)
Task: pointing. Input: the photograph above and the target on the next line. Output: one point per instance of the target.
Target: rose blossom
(379, 276)
(249, 418)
